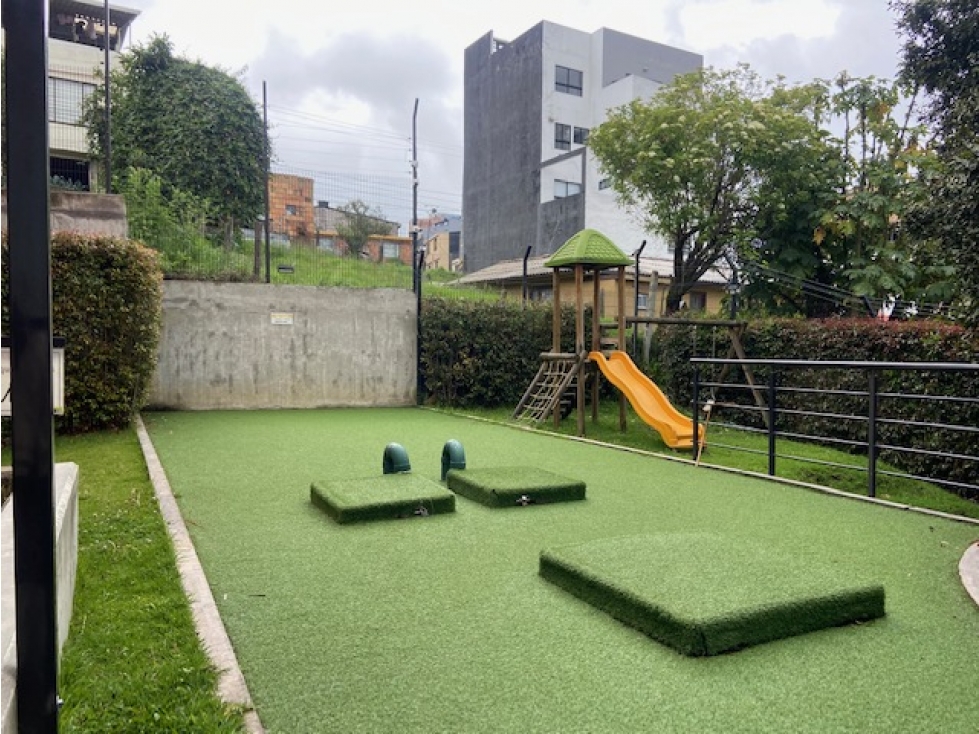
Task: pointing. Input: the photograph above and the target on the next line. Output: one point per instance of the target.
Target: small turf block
(706, 594)
(385, 497)
(514, 486)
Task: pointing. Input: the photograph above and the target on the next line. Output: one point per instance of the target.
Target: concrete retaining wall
(66, 558)
(251, 346)
(80, 211)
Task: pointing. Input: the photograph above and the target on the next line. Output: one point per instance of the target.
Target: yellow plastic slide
(647, 399)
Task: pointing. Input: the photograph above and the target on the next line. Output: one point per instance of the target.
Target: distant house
(291, 206)
(655, 274)
(76, 65)
(385, 246)
(441, 235)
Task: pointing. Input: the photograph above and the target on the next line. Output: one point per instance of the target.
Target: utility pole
(415, 264)
(268, 166)
(108, 116)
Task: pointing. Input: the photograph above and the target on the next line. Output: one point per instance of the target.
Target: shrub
(106, 303)
(486, 354)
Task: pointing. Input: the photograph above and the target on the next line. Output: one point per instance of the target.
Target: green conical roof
(588, 247)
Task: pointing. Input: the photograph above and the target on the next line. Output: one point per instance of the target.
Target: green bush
(849, 340)
(106, 303)
(486, 354)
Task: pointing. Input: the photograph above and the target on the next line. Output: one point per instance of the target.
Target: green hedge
(106, 301)
(848, 339)
(486, 354)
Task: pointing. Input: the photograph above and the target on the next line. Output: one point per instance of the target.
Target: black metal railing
(891, 422)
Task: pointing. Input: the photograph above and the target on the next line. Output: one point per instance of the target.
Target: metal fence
(918, 416)
(323, 230)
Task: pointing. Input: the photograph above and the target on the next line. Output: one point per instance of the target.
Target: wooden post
(596, 339)
(556, 336)
(556, 287)
(620, 287)
(579, 338)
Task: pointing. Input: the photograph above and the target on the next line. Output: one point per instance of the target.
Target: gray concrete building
(529, 179)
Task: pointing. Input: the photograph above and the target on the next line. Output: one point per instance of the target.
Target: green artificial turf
(384, 497)
(446, 625)
(514, 486)
(707, 593)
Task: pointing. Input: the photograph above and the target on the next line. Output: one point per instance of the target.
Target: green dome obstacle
(396, 459)
(453, 457)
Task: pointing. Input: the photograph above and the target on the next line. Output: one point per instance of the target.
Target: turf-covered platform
(385, 497)
(706, 594)
(514, 486)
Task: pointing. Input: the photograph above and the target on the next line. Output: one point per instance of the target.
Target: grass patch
(415, 627)
(514, 486)
(385, 497)
(132, 661)
(754, 457)
(706, 594)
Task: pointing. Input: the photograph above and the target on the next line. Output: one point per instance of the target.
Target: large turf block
(705, 594)
(385, 497)
(514, 486)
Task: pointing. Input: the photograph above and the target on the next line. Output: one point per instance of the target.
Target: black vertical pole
(872, 435)
(108, 111)
(524, 292)
(31, 395)
(771, 421)
(416, 264)
(635, 327)
(268, 166)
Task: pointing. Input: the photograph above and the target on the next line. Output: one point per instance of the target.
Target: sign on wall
(57, 377)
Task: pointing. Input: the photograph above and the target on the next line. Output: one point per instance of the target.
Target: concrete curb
(969, 571)
(232, 688)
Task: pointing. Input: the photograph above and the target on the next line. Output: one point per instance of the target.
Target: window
(643, 301)
(568, 80)
(604, 184)
(581, 135)
(390, 250)
(562, 136)
(697, 301)
(65, 100)
(292, 210)
(563, 189)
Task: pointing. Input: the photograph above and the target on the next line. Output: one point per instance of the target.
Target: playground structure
(561, 372)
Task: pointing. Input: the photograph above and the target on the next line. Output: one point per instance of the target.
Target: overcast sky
(342, 77)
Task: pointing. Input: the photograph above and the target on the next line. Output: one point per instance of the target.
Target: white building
(76, 64)
(529, 179)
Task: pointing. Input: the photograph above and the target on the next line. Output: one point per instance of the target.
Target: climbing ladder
(557, 375)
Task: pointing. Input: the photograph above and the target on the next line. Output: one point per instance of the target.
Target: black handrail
(872, 395)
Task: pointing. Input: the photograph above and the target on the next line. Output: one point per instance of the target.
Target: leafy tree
(941, 54)
(885, 170)
(851, 236)
(705, 158)
(192, 125)
(359, 224)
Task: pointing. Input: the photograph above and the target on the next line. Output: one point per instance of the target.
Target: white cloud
(719, 23)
